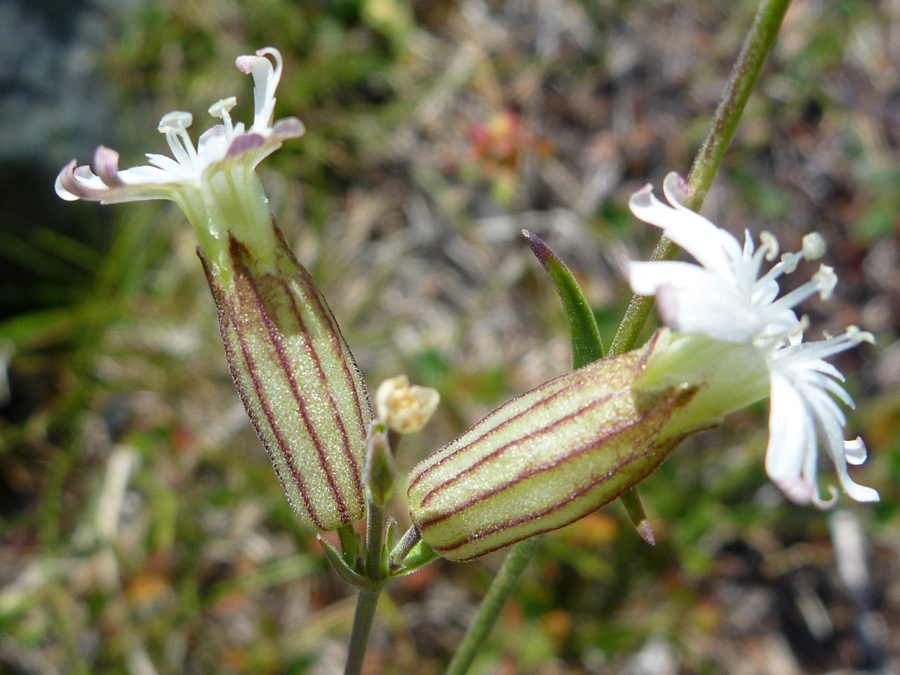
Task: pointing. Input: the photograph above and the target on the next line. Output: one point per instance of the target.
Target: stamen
(855, 335)
(775, 335)
(768, 242)
(786, 265)
(221, 109)
(174, 125)
(822, 349)
(789, 262)
(175, 122)
(813, 246)
(826, 280)
(820, 283)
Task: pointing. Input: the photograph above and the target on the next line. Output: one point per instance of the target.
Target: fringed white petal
(648, 277)
(835, 445)
(713, 248)
(791, 439)
(855, 451)
(167, 177)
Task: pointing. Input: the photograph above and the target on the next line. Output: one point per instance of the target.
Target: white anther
(855, 335)
(175, 122)
(813, 246)
(790, 262)
(222, 107)
(826, 280)
(768, 241)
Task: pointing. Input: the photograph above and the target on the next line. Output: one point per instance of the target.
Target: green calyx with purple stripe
(553, 455)
(297, 378)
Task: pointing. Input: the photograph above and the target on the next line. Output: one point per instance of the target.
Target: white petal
(288, 127)
(825, 382)
(79, 182)
(675, 189)
(717, 314)
(855, 491)
(646, 277)
(265, 82)
(167, 164)
(790, 439)
(212, 144)
(692, 299)
(855, 451)
(713, 248)
(138, 175)
(825, 504)
(834, 440)
(825, 408)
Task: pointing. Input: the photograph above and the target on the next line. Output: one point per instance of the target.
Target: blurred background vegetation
(142, 529)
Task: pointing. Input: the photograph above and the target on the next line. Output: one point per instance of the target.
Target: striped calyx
(297, 379)
(549, 457)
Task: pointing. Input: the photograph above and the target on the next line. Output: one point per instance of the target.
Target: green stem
(706, 165)
(375, 541)
(362, 626)
(500, 589)
(367, 601)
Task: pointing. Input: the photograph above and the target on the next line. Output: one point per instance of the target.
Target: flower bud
(405, 408)
(381, 473)
(296, 377)
(557, 453)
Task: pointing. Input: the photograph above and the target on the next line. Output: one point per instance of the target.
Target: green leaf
(586, 343)
(350, 544)
(344, 571)
(418, 557)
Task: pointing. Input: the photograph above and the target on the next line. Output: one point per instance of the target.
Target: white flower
(165, 177)
(724, 297)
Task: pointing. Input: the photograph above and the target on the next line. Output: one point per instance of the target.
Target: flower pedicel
(573, 444)
(290, 363)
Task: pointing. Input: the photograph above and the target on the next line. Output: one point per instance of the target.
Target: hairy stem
(501, 588)
(706, 165)
(374, 541)
(362, 627)
(367, 601)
